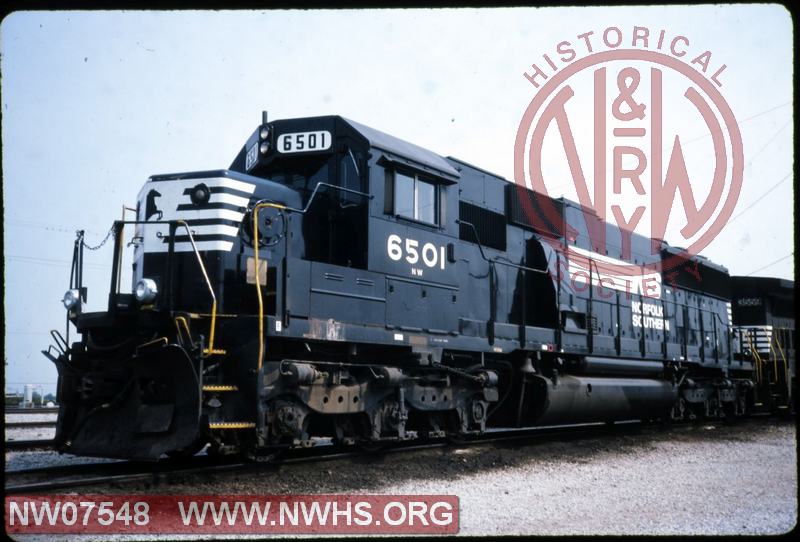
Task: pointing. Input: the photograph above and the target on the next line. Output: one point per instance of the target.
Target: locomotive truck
(336, 281)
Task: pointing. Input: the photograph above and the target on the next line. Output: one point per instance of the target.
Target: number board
(304, 142)
(252, 156)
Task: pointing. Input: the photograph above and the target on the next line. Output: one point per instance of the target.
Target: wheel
(261, 457)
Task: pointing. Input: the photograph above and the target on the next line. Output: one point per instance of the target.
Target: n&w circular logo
(612, 114)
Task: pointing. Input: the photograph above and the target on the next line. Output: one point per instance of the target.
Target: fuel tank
(584, 399)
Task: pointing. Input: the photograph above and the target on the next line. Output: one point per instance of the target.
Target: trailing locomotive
(337, 281)
(764, 327)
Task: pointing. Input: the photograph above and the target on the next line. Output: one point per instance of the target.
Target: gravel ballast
(700, 479)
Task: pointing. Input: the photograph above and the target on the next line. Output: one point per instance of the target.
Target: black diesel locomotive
(337, 281)
(763, 319)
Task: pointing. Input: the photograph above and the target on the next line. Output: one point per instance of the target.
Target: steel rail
(165, 470)
(17, 425)
(35, 444)
(33, 410)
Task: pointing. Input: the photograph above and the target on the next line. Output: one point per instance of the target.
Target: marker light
(71, 298)
(146, 290)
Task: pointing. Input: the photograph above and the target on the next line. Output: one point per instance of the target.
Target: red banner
(232, 514)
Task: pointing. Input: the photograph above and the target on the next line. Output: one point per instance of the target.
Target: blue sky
(95, 102)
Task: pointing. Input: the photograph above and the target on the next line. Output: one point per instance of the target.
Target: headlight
(146, 290)
(200, 194)
(264, 133)
(264, 148)
(71, 298)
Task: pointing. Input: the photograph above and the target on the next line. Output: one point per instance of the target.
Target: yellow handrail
(210, 350)
(774, 363)
(256, 209)
(783, 357)
(756, 355)
(182, 320)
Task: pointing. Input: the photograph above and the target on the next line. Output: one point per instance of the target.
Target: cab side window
(416, 198)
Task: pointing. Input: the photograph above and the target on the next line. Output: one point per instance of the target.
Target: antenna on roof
(263, 117)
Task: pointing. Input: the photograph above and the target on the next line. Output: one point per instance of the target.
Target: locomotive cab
(325, 161)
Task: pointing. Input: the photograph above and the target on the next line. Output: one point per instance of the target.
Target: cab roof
(409, 151)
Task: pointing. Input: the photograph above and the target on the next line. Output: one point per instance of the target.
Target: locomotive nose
(141, 407)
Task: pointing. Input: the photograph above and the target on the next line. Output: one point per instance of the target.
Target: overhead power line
(768, 143)
(60, 263)
(740, 122)
(770, 264)
(759, 198)
(684, 144)
(43, 226)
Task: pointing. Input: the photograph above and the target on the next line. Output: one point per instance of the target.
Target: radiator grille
(531, 215)
(491, 226)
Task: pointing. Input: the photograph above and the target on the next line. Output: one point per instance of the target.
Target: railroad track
(34, 410)
(118, 472)
(28, 445)
(46, 423)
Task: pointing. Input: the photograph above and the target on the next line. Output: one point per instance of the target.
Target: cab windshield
(302, 173)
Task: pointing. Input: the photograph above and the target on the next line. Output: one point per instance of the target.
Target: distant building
(27, 399)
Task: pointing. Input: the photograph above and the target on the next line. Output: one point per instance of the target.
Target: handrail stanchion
(210, 350)
(257, 272)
